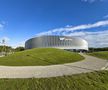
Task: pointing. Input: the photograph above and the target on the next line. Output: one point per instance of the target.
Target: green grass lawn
(88, 81)
(102, 54)
(40, 56)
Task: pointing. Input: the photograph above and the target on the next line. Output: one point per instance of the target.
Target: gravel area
(88, 65)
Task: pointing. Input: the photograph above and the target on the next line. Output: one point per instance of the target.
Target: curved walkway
(88, 65)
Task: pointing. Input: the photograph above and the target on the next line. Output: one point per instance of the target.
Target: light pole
(0, 50)
(3, 49)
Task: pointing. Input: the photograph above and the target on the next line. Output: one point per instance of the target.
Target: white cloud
(1, 26)
(68, 29)
(95, 39)
(106, 16)
(19, 44)
(91, 1)
(6, 39)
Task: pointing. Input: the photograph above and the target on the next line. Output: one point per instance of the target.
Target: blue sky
(23, 19)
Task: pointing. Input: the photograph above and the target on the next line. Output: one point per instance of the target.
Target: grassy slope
(40, 56)
(88, 81)
(102, 54)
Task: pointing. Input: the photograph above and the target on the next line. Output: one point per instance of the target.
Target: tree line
(10, 49)
(98, 49)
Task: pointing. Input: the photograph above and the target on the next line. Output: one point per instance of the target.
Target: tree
(19, 49)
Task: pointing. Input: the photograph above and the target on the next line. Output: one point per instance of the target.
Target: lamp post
(0, 51)
(3, 44)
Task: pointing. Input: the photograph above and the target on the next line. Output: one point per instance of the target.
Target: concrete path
(88, 65)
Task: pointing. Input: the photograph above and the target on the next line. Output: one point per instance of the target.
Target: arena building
(61, 42)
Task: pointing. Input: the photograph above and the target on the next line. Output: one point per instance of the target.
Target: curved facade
(61, 42)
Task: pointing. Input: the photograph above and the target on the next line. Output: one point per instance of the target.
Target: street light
(3, 44)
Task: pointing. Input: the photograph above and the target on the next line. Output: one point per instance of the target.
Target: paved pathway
(88, 65)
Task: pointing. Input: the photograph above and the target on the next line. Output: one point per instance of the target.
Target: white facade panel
(61, 42)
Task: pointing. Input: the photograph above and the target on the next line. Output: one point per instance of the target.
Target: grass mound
(88, 81)
(40, 56)
(102, 54)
